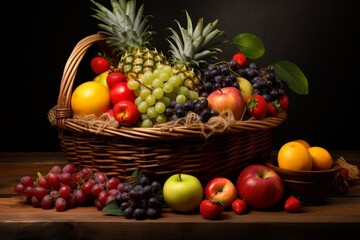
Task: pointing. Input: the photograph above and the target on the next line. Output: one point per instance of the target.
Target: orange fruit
(294, 156)
(303, 142)
(90, 98)
(321, 158)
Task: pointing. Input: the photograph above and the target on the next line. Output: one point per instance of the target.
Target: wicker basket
(157, 152)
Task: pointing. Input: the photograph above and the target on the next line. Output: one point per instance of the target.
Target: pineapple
(194, 49)
(128, 35)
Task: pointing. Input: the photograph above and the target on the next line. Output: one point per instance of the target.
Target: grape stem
(142, 84)
(227, 64)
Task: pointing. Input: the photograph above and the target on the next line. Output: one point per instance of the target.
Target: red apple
(260, 186)
(126, 113)
(114, 77)
(221, 189)
(120, 91)
(227, 98)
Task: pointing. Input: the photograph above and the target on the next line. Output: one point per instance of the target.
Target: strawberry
(256, 106)
(345, 173)
(292, 205)
(239, 206)
(240, 58)
(99, 64)
(211, 209)
(284, 102)
(114, 77)
(272, 110)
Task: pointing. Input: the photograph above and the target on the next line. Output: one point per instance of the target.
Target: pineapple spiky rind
(128, 35)
(125, 28)
(193, 48)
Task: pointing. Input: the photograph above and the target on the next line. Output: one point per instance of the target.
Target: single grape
(87, 186)
(147, 192)
(56, 169)
(39, 192)
(87, 172)
(60, 204)
(181, 98)
(144, 92)
(168, 87)
(36, 202)
(65, 178)
(158, 93)
(147, 123)
(156, 186)
(138, 100)
(160, 107)
(112, 183)
(152, 213)
(143, 107)
(79, 196)
(124, 205)
(71, 201)
(19, 188)
(133, 84)
(150, 100)
(153, 202)
(77, 177)
(161, 118)
(139, 214)
(157, 82)
(128, 213)
(69, 168)
(103, 195)
(100, 177)
(28, 191)
(47, 202)
(175, 81)
(27, 181)
(96, 189)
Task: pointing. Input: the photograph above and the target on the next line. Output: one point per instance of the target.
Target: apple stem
(180, 176)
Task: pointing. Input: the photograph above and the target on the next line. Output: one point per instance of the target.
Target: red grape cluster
(66, 187)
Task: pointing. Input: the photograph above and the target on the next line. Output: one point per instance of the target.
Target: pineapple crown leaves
(125, 29)
(193, 47)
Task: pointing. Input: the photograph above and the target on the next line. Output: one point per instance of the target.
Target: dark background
(321, 37)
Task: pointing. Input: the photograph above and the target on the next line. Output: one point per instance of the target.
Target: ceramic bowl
(312, 187)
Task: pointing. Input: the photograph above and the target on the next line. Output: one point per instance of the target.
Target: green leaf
(250, 44)
(290, 73)
(136, 173)
(113, 209)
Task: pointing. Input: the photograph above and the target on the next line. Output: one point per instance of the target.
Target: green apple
(246, 88)
(183, 192)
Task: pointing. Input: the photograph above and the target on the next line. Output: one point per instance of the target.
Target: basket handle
(63, 109)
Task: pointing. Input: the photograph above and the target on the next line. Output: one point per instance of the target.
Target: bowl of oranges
(307, 171)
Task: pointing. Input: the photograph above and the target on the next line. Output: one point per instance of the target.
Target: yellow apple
(246, 88)
(101, 78)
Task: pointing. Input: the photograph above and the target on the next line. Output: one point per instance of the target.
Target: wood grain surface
(339, 218)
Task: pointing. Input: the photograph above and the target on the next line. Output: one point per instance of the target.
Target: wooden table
(339, 218)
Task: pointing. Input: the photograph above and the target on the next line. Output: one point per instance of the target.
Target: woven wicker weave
(119, 151)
